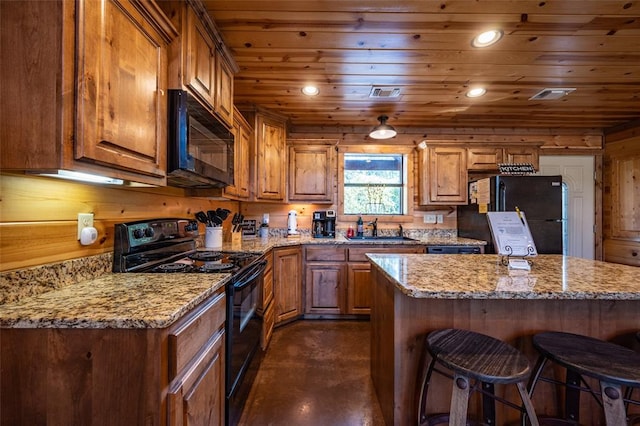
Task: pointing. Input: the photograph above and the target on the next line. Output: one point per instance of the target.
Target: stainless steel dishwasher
(454, 250)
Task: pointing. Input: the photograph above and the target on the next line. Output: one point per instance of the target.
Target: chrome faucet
(374, 225)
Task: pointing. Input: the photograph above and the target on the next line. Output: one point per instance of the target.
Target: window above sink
(375, 181)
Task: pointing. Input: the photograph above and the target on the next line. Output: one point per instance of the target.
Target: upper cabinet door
(311, 170)
(200, 60)
(271, 159)
(121, 110)
(224, 89)
(443, 175)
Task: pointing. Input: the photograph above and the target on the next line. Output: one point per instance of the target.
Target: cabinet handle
(634, 253)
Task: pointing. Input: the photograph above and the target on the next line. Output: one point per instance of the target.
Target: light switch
(429, 218)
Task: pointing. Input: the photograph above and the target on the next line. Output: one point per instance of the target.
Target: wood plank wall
(38, 216)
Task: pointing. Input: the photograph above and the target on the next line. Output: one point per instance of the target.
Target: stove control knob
(138, 233)
(148, 232)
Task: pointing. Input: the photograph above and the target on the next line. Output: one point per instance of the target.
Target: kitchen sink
(380, 238)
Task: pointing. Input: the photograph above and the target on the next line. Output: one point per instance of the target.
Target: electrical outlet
(439, 218)
(84, 220)
(429, 218)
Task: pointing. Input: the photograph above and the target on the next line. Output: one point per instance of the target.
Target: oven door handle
(252, 273)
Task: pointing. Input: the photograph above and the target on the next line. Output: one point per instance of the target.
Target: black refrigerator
(539, 197)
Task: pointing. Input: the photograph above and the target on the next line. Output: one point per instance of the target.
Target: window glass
(374, 184)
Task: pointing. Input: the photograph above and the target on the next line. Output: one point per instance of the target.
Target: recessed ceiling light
(487, 38)
(477, 92)
(310, 90)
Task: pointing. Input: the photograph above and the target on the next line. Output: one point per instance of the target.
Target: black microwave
(200, 147)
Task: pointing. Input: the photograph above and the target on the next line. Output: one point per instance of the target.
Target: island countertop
(135, 300)
(485, 277)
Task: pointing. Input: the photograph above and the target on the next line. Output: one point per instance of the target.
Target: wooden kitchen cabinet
(91, 376)
(483, 158)
(522, 154)
(325, 280)
(268, 154)
(359, 288)
(487, 158)
(621, 200)
(311, 171)
(199, 396)
(197, 61)
(324, 288)
(224, 88)
(118, 51)
(443, 175)
(266, 307)
(241, 159)
(359, 273)
(287, 284)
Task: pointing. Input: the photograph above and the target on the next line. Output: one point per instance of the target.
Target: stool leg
(572, 394)
(424, 388)
(459, 401)
(528, 405)
(533, 381)
(488, 404)
(614, 410)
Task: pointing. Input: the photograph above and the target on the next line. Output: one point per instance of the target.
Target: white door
(578, 176)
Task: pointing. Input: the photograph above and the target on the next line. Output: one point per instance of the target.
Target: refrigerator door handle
(503, 190)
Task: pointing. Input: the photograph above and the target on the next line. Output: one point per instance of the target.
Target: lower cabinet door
(359, 288)
(325, 288)
(196, 397)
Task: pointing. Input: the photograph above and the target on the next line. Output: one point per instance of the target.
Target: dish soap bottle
(360, 227)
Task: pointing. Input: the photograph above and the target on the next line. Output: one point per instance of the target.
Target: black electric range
(169, 246)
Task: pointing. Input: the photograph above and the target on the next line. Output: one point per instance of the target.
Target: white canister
(213, 237)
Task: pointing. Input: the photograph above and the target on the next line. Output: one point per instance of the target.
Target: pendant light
(383, 130)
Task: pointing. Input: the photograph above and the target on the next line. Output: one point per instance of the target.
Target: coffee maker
(324, 224)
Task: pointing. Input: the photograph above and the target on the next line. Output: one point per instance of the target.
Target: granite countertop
(262, 245)
(82, 294)
(114, 301)
(484, 277)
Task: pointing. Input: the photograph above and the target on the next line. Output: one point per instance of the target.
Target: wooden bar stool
(472, 356)
(616, 368)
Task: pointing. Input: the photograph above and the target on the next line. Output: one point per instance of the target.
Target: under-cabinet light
(83, 177)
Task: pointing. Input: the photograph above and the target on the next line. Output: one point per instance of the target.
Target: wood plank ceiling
(423, 47)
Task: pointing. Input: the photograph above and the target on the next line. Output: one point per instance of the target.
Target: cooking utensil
(240, 222)
(202, 218)
(214, 219)
(222, 213)
(234, 222)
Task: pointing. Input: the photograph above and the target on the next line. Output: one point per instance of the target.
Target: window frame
(408, 153)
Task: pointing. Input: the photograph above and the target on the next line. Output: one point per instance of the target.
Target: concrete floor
(315, 373)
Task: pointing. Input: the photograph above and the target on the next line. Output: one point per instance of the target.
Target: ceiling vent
(551, 94)
(384, 92)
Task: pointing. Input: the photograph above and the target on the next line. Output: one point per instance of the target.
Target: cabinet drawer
(625, 252)
(269, 320)
(326, 254)
(357, 254)
(267, 289)
(188, 338)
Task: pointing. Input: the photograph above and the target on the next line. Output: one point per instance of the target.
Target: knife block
(236, 239)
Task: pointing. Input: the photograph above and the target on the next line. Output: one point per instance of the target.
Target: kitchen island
(415, 294)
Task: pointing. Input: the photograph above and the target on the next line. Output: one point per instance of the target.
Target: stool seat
(592, 357)
(478, 356)
(615, 367)
(473, 356)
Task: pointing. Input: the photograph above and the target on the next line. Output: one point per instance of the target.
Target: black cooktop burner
(216, 267)
(172, 267)
(206, 256)
(241, 256)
